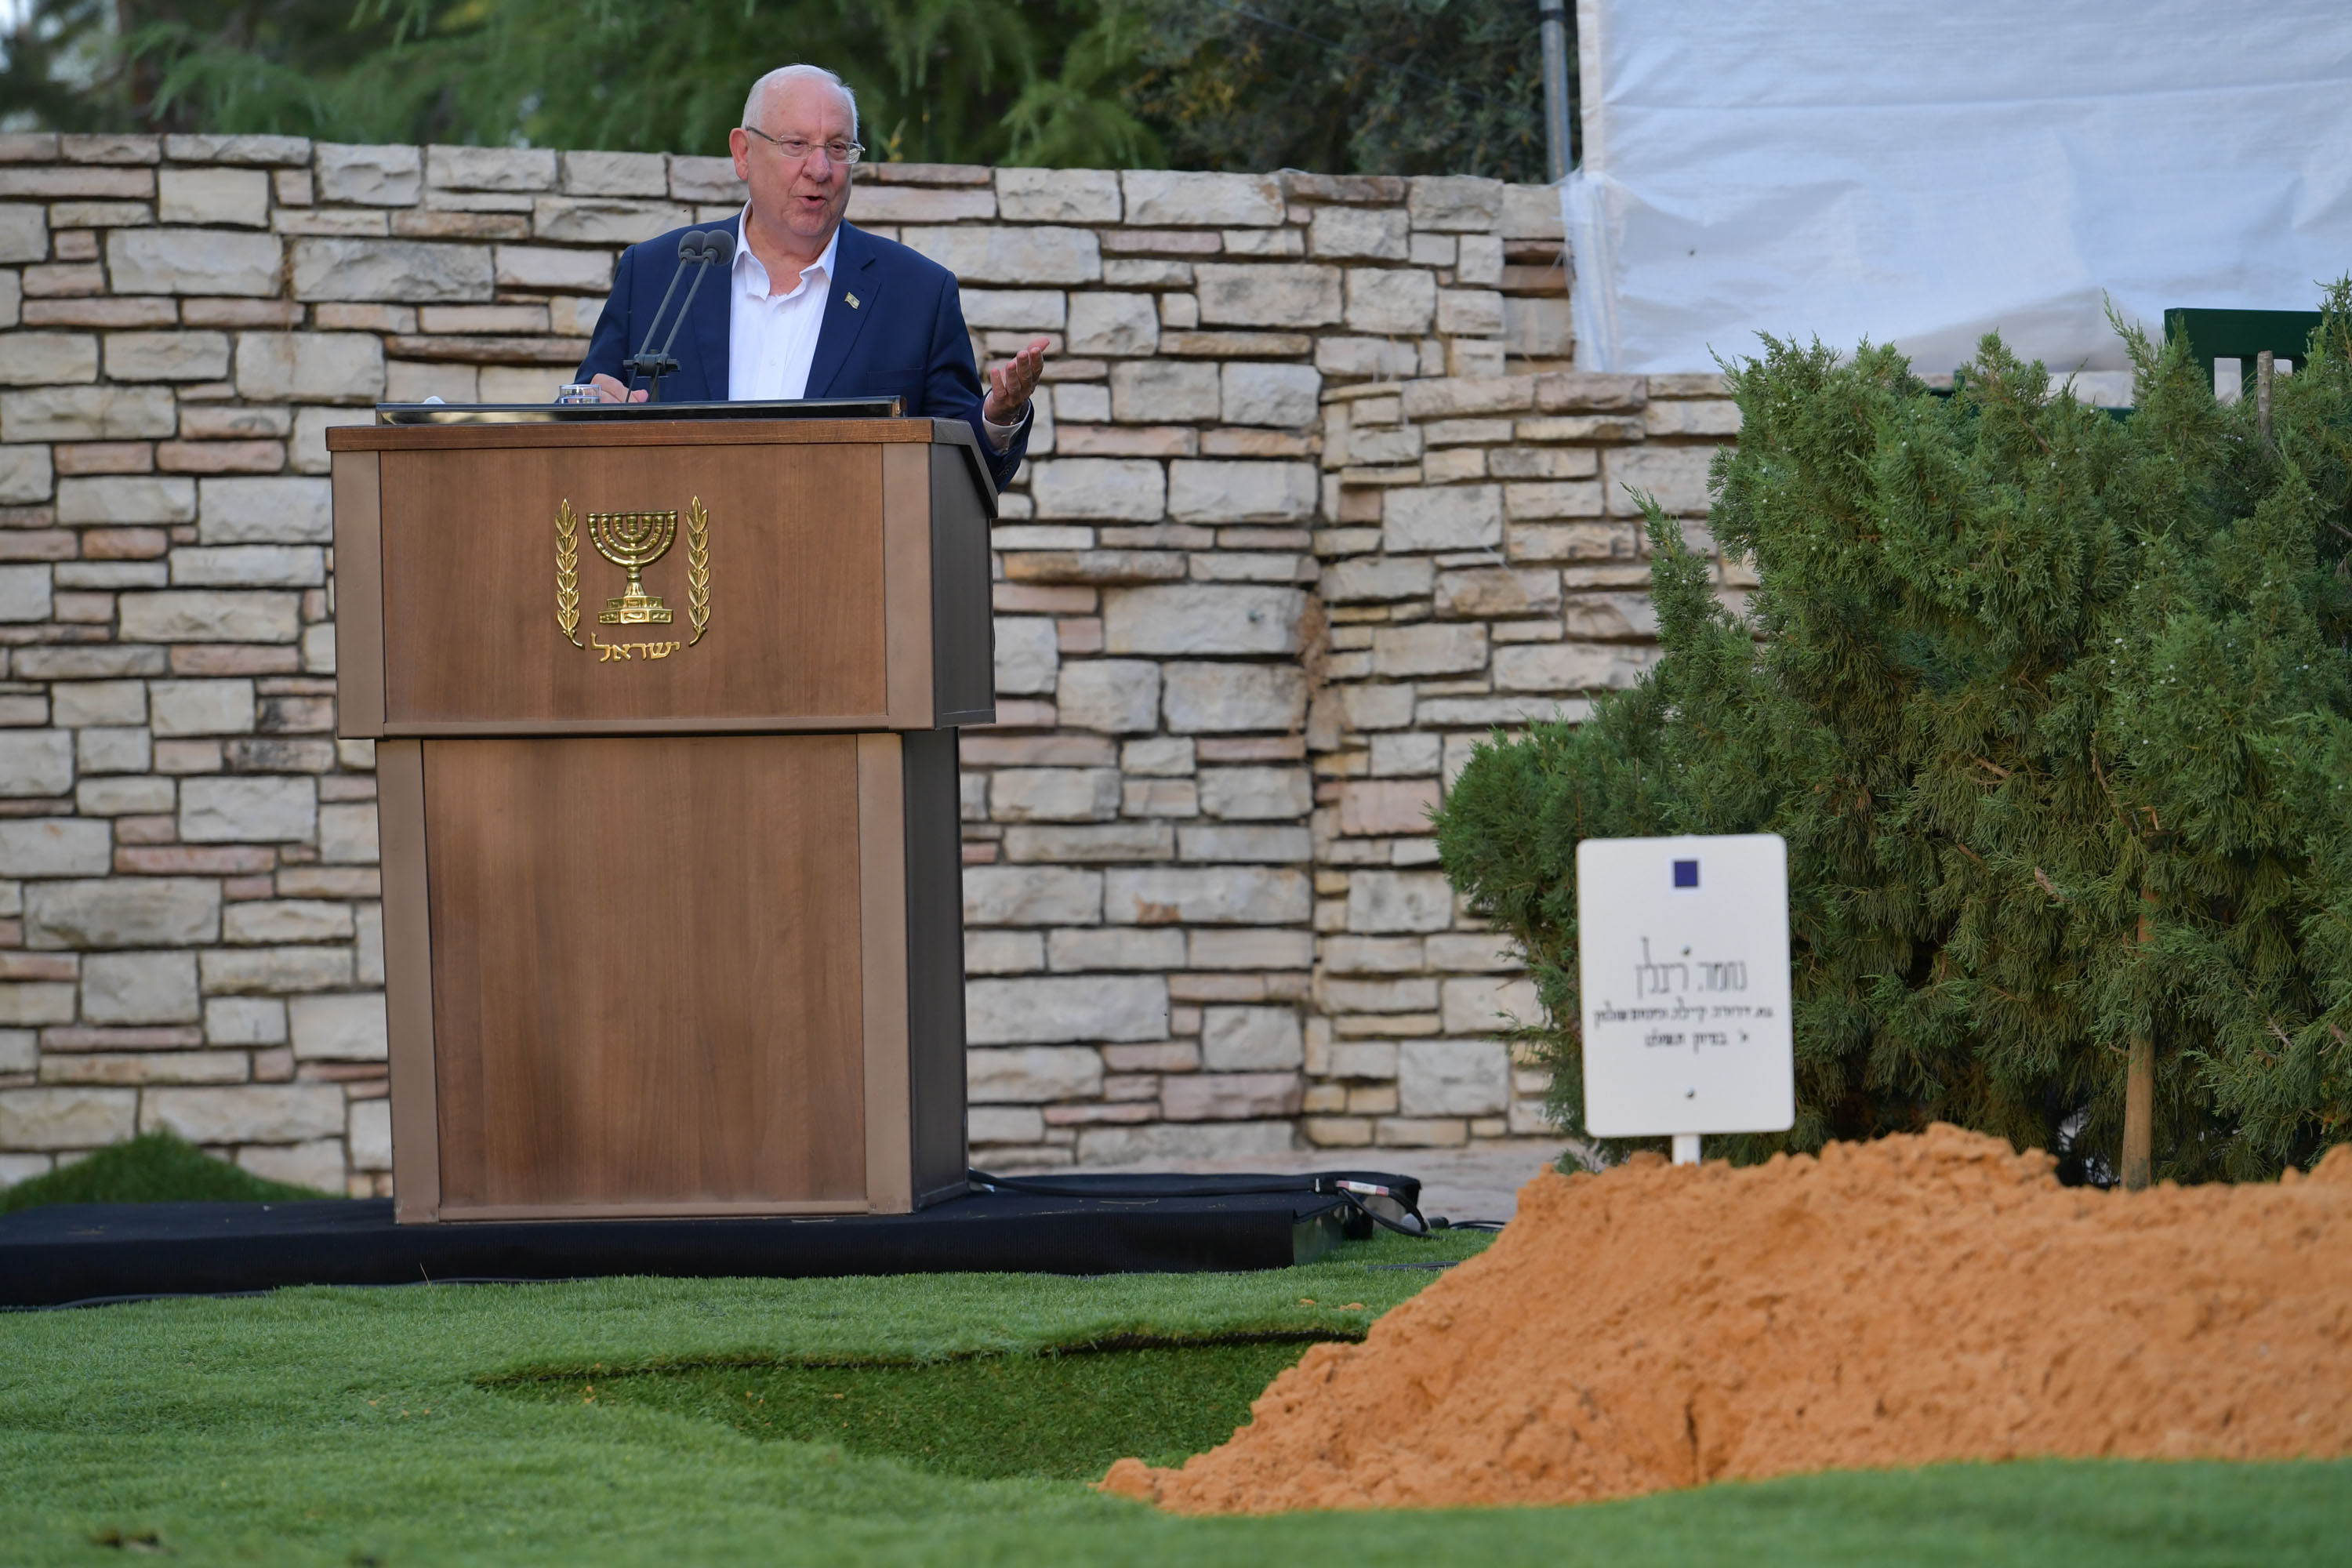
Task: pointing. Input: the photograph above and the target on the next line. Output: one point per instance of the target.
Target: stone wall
(1313, 502)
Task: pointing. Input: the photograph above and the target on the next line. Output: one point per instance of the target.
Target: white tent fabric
(1921, 174)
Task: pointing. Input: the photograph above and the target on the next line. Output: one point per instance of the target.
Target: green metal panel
(2242, 334)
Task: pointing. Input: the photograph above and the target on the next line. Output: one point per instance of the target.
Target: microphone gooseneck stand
(697, 248)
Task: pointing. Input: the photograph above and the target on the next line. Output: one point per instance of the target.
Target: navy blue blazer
(904, 336)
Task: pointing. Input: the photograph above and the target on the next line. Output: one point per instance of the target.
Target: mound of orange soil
(1909, 1300)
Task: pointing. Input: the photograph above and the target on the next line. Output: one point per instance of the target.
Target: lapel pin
(852, 298)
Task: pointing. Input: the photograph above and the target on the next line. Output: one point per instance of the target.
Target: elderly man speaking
(813, 307)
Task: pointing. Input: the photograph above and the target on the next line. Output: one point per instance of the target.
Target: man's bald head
(778, 82)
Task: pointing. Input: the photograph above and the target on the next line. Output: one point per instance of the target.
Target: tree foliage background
(2054, 712)
(1335, 86)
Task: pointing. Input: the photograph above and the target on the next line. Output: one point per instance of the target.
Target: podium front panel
(741, 577)
(669, 976)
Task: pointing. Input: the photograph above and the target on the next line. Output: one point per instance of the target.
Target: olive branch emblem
(698, 569)
(567, 572)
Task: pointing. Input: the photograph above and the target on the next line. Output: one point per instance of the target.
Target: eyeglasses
(846, 153)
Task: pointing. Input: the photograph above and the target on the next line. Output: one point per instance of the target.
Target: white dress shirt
(771, 338)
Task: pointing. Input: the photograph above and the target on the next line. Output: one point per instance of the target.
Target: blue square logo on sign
(1686, 873)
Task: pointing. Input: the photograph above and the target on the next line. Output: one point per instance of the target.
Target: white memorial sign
(1683, 966)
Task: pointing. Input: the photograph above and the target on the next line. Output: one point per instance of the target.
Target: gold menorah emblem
(632, 540)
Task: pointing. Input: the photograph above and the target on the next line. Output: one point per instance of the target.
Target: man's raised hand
(1009, 383)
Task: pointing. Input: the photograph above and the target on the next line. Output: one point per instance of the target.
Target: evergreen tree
(2054, 712)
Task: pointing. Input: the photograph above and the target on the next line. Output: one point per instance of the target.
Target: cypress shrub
(2054, 712)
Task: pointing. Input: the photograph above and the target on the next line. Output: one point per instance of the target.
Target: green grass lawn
(441, 1424)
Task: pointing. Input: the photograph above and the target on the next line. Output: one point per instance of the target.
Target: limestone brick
(28, 475)
(1482, 1004)
(1032, 896)
(249, 1113)
(193, 262)
(1057, 195)
(1193, 618)
(870, 205)
(1568, 667)
(23, 231)
(368, 175)
(127, 499)
(40, 359)
(36, 762)
(54, 847)
(245, 1021)
(317, 1163)
(1115, 947)
(1230, 895)
(1113, 324)
(1175, 199)
(370, 1135)
(167, 356)
(273, 971)
(202, 707)
(67, 1118)
(236, 510)
(1025, 256)
(211, 616)
(87, 414)
(1028, 655)
(1375, 232)
(1039, 310)
(1284, 394)
(347, 834)
(1382, 901)
(1205, 492)
(1268, 294)
(1676, 476)
(1462, 517)
(1452, 1077)
(125, 912)
(1251, 1040)
(1116, 696)
(1230, 1096)
(489, 168)
(269, 920)
(74, 703)
(1108, 488)
(1054, 795)
(249, 567)
(234, 196)
(1047, 1009)
(1032, 1075)
(1455, 202)
(1254, 793)
(345, 1028)
(1227, 1141)
(249, 809)
(140, 988)
(706, 180)
(310, 367)
(1163, 392)
(614, 174)
(1390, 299)
(411, 271)
(593, 220)
(1224, 697)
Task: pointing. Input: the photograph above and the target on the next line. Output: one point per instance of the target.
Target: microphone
(699, 249)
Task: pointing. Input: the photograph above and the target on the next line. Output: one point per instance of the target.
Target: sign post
(1683, 963)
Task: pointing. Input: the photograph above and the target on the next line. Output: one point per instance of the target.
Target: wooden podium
(663, 711)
